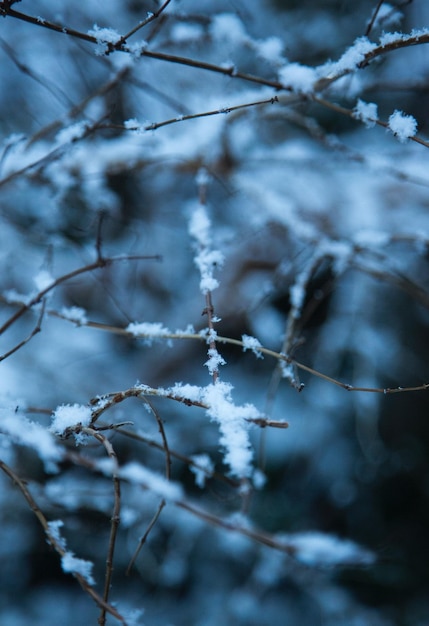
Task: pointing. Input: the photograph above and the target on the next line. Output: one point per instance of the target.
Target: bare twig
(35, 331)
(373, 17)
(193, 116)
(38, 297)
(115, 519)
(350, 113)
(58, 547)
(266, 351)
(150, 18)
(143, 539)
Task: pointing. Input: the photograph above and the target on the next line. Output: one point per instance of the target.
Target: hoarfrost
(202, 467)
(68, 416)
(215, 359)
(32, 435)
(43, 280)
(251, 343)
(322, 550)
(233, 427)
(72, 565)
(136, 473)
(402, 126)
(205, 259)
(366, 112)
(299, 78)
(148, 330)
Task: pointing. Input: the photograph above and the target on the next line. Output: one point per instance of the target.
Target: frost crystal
(43, 280)
(202, 469)
(206, 259)
(136, 473)
(233, 426)
(27, 433)
(319, 549)
(70, 563)
(298, 77)
(148, 330)
(229, 27)
(190, 392)
(352, 57)
(72, 133)
(251, 343)
(402, 126)
(104, 35)
(74, 314)
(73, 565)
(54, 530)
(366, 112)
(215, 359)
(68, 416)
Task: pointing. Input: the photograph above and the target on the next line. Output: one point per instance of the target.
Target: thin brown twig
(321, 85)
(350, 113)
(37, 328)
(161, 429)
(115, 520)
(401, 42)
(177, 455)
(160, 56)
(193, 116)
(143, 539)
(117, 397)
(89, 589)
(266, 351)
(98, 264)
(150, 18)
(373, 17)
(209, 308)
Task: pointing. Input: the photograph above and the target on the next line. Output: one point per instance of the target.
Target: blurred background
(304, 200)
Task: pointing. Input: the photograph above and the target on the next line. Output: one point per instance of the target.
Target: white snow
(202, 469)
(299, 78)
(388, 38)
(136, 473)
(74, 314)
(251, 343)
(43, 280)
(352, 57)
(191, 392)
(366, 112)
(387, 16)
(72, 132)
(215, 359)
(148, 330)
(229, 27)
(270, 49)
(199, 224)
(104, 35)
(14, 297)
(184, 33)
(69, 416)
(297, 295)
(205, 259)
(72, 565)
(54, 529)
(32, 435)
(402, 126)
(234, 436)
(323, 550)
